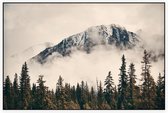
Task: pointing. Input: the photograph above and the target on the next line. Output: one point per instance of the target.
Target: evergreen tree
(160, 91)
(34, 95)
(109, 91)
(122, 87)
(7, 94)
(69, 98)
(148, 85)
(60, 94)
(83, 95)
(78, 95)
(4, 96)
(131, 87)
(12, 97)
(15, 92)
(43, 100)
(138, 99)
(100, 98)
(148, 95)
(73, 94)
(115, 94)
(24, 88)
(40, 93)
(87, 93)
(67, 92)
(93, 99)
(52, 98)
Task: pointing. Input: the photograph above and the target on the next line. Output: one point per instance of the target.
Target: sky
(27, 25)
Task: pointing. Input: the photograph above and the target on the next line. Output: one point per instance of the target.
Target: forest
(19, 94)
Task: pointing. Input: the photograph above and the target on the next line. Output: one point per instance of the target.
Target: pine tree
(138, 99)
(33, 95)
(71, 101)
(160, 91)
(52, 98)
(83, 95)
(43, 100)
(93, 99)
(131, 87)
(109, 91)
(100, 98)
(148, 85)
(115, 94)
(122, 87)
(15, 92)
(60, 94)
(7, 93)
(68, 99)
(73, 94)
(12, 97)
(24, 88)
(67, 92)
(4, 96)
(78, 95)
(41, 93)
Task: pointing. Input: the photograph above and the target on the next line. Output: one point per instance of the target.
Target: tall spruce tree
(100, 98)
(60, 94)
(73, 94)
(93, 99)
(25, 94)
(160, 92)
(115, 95)
(78, 95)
(122, 86)
(131, 87)
(83, 95)
(43, 100)
(4, 96)
(34, 95)
(15, 92)
(7, 93)
(109, 91)
(86, 95)
(67, 92)
(41, 93)
(148, 85)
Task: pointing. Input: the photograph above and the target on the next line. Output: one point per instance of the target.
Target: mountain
(97, 35)
(31, 51)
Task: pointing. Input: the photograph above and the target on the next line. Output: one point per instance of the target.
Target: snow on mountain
(97, 35)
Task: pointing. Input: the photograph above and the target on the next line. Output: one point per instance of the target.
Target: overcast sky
(26, 25)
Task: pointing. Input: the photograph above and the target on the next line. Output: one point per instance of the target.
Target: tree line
(127, 95)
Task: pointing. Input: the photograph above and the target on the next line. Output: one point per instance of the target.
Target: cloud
(31, 24)
(87, 67)
(27, 25)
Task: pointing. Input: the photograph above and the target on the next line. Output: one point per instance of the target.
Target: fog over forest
(28, 26)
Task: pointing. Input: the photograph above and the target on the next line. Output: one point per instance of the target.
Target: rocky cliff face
(93, 36)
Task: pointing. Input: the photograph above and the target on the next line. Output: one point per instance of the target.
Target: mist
(87, 67)
(31, 24)
(27, 25)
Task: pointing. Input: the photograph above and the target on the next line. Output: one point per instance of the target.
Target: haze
(26, 25)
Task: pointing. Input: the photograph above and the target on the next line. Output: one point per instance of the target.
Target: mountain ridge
(96, 35)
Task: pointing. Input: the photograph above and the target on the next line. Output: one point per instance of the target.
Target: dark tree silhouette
(109, 91)
(122, 87)
(148, 85)
(24, 88)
